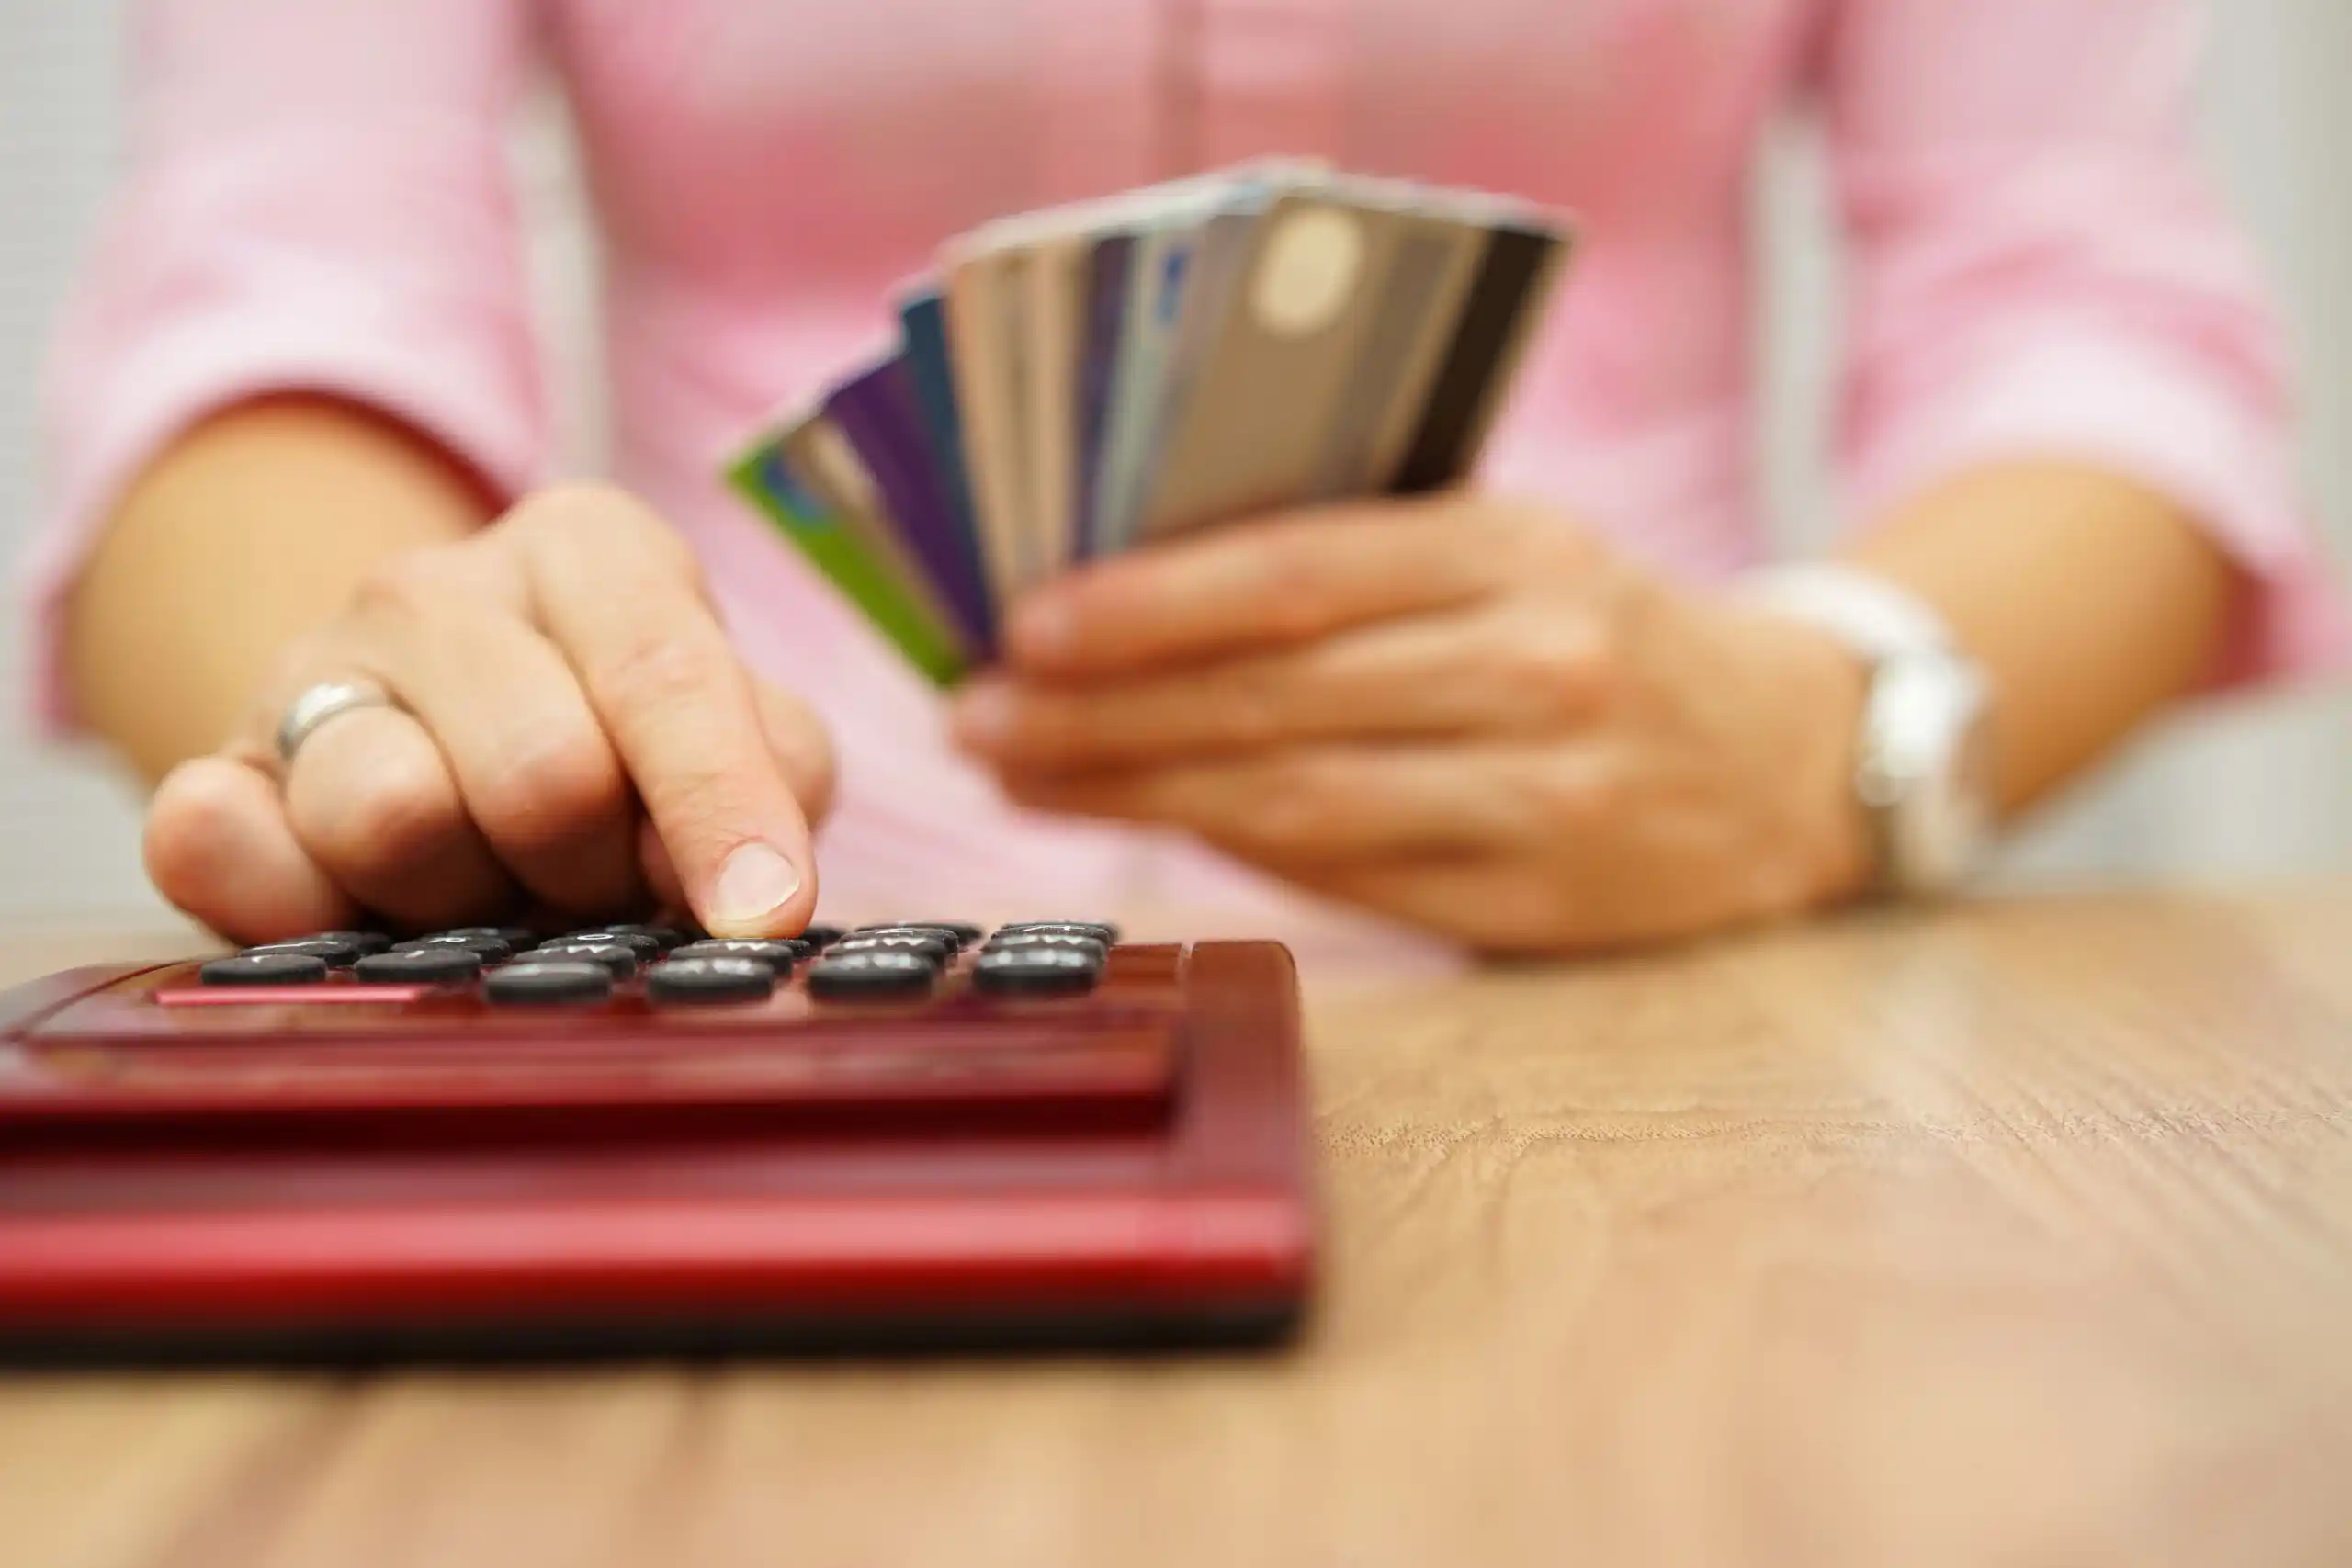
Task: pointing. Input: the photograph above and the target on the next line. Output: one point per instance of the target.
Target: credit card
(1055, 281)
(833, 474)
(1156, 276)
(931, 374)
(875, 409)
(987, 401)
(765, 477)
(1107, 292)
(1433, 256)
(1514, 282)
(1041, 297)
(1270, 368)
(1169, 244)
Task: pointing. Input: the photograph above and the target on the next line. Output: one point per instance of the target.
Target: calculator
(633, 1139)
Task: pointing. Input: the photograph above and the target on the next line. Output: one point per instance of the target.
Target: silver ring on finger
(314, 706)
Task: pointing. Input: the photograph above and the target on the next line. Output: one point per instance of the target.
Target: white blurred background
(2255, 790)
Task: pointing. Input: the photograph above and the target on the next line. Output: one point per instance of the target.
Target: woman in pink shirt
(303, 456)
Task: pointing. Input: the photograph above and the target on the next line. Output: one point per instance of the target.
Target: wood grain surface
(2019, 1234)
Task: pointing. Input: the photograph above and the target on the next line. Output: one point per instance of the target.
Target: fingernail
(1045, 627)
(754, 883)
(983, 715)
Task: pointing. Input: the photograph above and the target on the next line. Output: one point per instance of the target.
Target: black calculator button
(710, 980)
(779, 955)
(489, 949)
(264, 969)
(955, 933)
(336, 954)
(1004, 940)
(616, 958)
(878, 972)
(933, 948)
(440, 965)
(821, 936)
(1036, 971)
(645, 944)
(662, 938)
(1101, 930)
(516, 937)
(358, 941)
(548, 980)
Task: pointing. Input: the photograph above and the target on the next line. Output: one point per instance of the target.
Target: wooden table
(2018, 1234)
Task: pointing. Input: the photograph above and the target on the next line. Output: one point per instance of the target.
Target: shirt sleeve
(2040, 268)
(317, 200)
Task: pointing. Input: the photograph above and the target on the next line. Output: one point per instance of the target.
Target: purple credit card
(876, 410)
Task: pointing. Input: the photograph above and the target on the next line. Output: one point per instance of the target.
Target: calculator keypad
(901, 962)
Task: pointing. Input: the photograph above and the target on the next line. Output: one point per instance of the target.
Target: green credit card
(764, 476)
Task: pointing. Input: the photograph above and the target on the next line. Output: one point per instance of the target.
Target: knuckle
(402, 816)
(816, 777)
(1285, 819)
(586, 515)
(1579, 799)
(1554, 672)
(1295, 588)
(551, 790)
(1043, 728)
(693, 797)
(1543, 548)
(651, 670)
(190, 813)
(417, 585)
(1248, 710)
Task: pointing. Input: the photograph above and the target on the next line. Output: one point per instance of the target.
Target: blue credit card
(1098, 365)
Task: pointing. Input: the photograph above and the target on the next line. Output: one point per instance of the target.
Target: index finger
(1284, 580)
(617, 591)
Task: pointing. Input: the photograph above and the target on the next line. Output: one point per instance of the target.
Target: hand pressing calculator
(633, 1140)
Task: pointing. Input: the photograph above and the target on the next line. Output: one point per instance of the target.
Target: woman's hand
(1463, 712)
(574, 738)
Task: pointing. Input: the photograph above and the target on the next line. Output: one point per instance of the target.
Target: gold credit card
(1297, 300)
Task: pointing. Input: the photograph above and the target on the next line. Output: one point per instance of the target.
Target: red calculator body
(347, 1171)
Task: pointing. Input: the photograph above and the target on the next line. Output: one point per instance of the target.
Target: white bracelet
(1873, 615)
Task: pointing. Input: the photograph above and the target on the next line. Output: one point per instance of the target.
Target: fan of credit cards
(1076, 382)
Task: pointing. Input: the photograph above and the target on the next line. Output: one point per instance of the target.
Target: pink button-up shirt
(319, 197)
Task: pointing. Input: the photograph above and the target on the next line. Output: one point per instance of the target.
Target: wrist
(1922, 774)
(1826, 689)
